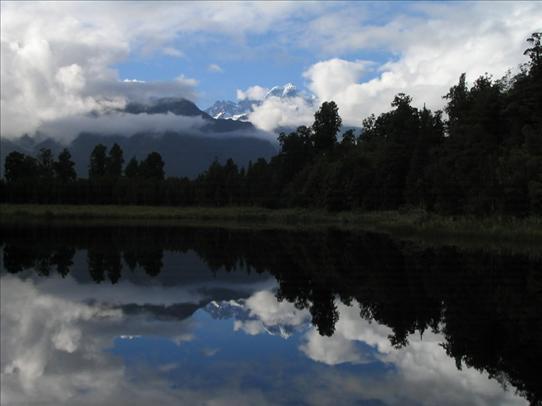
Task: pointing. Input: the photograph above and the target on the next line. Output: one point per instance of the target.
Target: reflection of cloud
(267, 314)
(423, 373)
(53, 348)
(420, 373)
(270, 311)
(331, 350)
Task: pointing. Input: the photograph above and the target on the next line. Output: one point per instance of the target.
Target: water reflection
(214, 315)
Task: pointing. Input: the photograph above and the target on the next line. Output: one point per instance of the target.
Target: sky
(64, 60)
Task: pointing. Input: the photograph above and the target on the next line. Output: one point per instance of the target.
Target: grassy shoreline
(394, 222)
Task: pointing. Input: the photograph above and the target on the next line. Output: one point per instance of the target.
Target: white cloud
(328, 78)
(431, 52)
(277, 112)
(214, 68)
(57, 59)
(256, 93)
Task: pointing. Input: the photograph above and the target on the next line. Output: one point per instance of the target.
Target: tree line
(481, 155)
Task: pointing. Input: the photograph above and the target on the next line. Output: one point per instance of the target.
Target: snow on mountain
(228, 109)
(288, 90)
(245, 319)
(224, 109)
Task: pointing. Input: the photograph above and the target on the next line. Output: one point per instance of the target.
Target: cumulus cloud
(56, 66)
(57, 60)
(277, 112)
(430, 53)
(252, 93)
(425, 53)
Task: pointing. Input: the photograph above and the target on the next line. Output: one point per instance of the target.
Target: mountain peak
(287, 90)
(227, 109)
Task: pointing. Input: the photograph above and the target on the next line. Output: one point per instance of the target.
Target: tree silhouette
(64, 167)
(327, 123)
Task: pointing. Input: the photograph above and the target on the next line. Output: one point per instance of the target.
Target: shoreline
(528, 230)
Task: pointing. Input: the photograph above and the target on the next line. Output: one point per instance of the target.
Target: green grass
(413, 224)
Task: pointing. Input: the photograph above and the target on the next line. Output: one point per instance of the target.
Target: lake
(138, 314)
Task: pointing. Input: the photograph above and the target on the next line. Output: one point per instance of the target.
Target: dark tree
(64, 167)
(535, 51)
(46, 164)
(115, 161)
(132, 168)
(152, 167)
(19, 167)
(98, 162)
(327, 123)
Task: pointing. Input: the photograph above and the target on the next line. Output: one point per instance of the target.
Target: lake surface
(105, 315)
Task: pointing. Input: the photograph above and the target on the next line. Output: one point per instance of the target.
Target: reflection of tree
(63, 258)
(96, 265)
(324, 312)
(102, 261)
(151, 261)
(488, 307)
(40, 257)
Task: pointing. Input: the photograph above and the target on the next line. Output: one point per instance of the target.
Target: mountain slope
(185, 153)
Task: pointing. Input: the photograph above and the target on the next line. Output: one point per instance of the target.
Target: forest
(481, 155)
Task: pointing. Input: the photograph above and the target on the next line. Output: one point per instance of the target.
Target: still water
(104, 315)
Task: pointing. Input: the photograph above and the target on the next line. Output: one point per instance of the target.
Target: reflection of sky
(67, 342)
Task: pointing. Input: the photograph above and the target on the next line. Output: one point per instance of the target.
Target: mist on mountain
(186, 137)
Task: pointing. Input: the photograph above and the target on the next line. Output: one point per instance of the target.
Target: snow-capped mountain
(288, 90)
(240, 110)
(226, 109)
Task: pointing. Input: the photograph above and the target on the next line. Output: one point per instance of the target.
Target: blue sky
(266, 59)
(65, 59)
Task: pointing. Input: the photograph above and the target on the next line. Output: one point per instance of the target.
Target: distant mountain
(183, 107)
(185, 153)
(228, 109)
(239, 111)
(177, 106)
